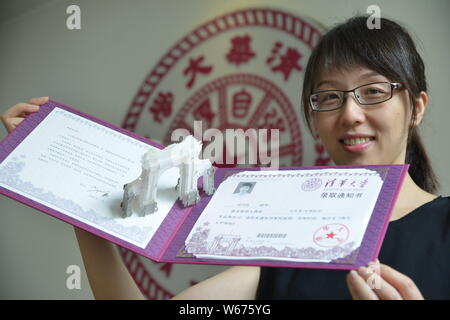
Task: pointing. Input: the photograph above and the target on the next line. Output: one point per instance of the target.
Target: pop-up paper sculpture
(140, 195)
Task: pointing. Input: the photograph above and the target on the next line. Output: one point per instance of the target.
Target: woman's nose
(351, 111)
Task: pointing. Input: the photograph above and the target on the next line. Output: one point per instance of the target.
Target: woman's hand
(17, 113)
(381, 282)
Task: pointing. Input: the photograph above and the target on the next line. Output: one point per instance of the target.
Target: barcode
(271, 235)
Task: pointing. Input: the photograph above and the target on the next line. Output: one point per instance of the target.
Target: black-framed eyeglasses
(367, 94)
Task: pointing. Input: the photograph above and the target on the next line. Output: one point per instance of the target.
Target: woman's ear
(421, 105)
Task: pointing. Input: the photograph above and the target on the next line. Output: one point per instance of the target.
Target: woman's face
(386, 124)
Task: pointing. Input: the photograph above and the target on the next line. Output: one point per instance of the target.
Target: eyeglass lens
(368, 94)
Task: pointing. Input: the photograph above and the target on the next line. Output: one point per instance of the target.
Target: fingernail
(353, 273)
(362, 270)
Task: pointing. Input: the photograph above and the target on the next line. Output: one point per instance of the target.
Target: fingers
(380, 281)
(11, 123)
(14, 115)
(358, 287)
(38, 101)
(383, 289)
(25, 107)
(404, 285)
(19, 109)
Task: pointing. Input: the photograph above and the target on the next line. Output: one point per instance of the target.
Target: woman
(364, 93)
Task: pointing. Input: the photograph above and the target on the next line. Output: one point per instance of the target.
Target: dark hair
(389, 51)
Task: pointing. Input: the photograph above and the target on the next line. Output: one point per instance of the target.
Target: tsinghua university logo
(238, 72)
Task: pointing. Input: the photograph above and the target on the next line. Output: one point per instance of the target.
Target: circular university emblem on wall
(244, 70)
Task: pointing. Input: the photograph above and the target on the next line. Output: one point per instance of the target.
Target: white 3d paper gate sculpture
(140, 195)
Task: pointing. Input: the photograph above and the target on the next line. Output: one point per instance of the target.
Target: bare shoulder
(238, 283)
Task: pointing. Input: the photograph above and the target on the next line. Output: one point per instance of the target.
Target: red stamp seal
(241, 70)
(331, 235)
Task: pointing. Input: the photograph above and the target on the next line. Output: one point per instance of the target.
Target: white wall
(98, 70)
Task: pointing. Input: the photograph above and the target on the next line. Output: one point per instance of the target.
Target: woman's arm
(108, 276)
(235, 283)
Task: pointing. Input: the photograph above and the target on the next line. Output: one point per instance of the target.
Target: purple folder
(167, 244)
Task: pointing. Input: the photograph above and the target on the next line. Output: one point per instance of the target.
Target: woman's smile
(356, 143)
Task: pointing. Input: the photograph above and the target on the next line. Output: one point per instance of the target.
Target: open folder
(73, 166)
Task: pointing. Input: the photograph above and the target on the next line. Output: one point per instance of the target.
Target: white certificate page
(292, 215)
(78, 167)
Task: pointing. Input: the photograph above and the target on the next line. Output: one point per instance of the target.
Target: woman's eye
(373, 91)
(331, 96)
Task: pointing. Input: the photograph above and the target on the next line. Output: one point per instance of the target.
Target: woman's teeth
(352, 142)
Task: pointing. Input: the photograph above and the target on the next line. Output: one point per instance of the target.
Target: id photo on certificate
(244, 188)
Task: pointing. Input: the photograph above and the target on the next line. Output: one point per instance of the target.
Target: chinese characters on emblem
(240, 51)
(281, 60)
(162, 106)
(195, 66)
(286, 62)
